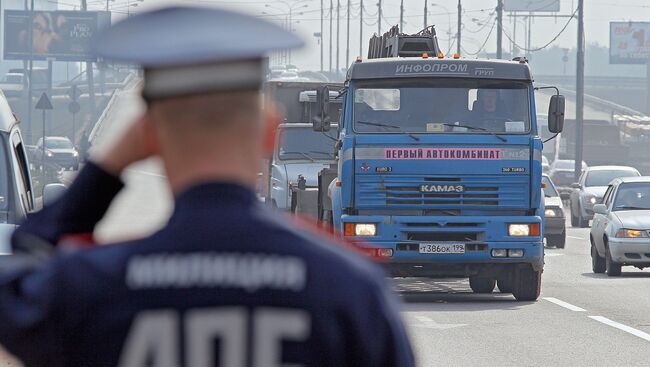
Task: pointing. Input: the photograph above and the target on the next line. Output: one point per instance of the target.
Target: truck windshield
(305, 143)
(442, 106)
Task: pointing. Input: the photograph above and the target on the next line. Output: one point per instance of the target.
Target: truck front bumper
(401, 237)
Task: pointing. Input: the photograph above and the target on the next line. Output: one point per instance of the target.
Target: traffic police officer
(224, 283)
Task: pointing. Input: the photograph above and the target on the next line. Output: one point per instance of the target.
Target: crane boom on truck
(438, 166)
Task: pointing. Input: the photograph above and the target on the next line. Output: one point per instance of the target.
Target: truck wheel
(527, 284)
(612, 268)
(582, 222)
(597, 262)
(574, 220)
(505, 284)
(557, 240)
(481, 285)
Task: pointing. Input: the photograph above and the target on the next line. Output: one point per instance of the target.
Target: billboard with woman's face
(58, 35)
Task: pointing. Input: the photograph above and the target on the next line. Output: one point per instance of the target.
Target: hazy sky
(477, 18)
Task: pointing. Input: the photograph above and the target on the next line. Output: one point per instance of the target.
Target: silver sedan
(620, 233)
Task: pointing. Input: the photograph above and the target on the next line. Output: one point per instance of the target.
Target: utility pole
(426, 11)
(338, 38)
(460, 10)
(322, 67)
(331, 30)
(401, 16)
(580, 90)
(91, 78)
(361, 28)
(499, 28)
(347, 41)
(379, 18)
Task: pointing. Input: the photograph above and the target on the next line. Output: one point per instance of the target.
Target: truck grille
(374, 191)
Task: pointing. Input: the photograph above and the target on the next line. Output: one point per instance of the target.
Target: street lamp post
(290, 7)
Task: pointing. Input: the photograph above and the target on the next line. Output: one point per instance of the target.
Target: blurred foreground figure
(224, 283)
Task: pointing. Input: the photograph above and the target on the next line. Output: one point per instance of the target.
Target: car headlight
(593, 200)
(360, 229)
(550, 213)
(48, 153)
(631, 233)
(75, 154)
(523, 230)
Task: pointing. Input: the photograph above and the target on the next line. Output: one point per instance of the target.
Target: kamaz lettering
(431, 68)
(443, 188)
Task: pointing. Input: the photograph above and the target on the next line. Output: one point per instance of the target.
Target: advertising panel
(531, 5)
(629, 42)
(51, 35)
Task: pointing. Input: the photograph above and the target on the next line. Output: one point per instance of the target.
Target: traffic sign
(74, 107)
(73, 92)
(44, 103)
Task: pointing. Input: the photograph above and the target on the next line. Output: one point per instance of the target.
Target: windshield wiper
(388, 125)
(479, 129)
(321, 152)
(630, 207)
(300, 153)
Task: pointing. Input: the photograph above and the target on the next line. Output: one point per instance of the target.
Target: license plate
(442, 248)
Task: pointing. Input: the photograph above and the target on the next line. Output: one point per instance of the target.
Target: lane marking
(147, 173)
(627, 329)
(577, 238)
(564, 304)
(427, 322)
(553, 254)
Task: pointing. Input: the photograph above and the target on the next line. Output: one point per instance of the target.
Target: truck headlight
(365, 229)
(631, 233)
(523, 230)
(360, 229)
(550, 213)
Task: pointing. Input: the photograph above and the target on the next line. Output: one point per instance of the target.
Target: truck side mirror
(556, 114)
(321, 121)
(51, 192)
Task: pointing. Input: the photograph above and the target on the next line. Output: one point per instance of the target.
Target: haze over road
(581, 319)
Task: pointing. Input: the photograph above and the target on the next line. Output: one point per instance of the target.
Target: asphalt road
(581, 319)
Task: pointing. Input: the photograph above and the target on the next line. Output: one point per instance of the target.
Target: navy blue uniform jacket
(224, 283)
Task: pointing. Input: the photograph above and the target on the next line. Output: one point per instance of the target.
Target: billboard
(531, 5)
(51, 35)
(629, 42)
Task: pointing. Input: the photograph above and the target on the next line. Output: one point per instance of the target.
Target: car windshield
(604, 177)
(15, 79)
(442, 106)
(305, 143)
(549, 188)
(58, 144)
(633, 196)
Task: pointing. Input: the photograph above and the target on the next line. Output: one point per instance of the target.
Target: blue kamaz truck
(439, 165)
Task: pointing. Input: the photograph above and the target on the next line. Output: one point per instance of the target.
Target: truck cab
(439, 170)
(16, 192)
(299, 153)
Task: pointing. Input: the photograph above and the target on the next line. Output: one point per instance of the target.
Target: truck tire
(482, 285)
(505, 284)
(597, 262)
(527, 284)
(574, 220)
(612, 268)
(556, 240)
(582, 222)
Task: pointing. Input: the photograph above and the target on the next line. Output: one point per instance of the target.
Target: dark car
(554, 218)
(58, 150)
(590, 188)
(563, 175)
